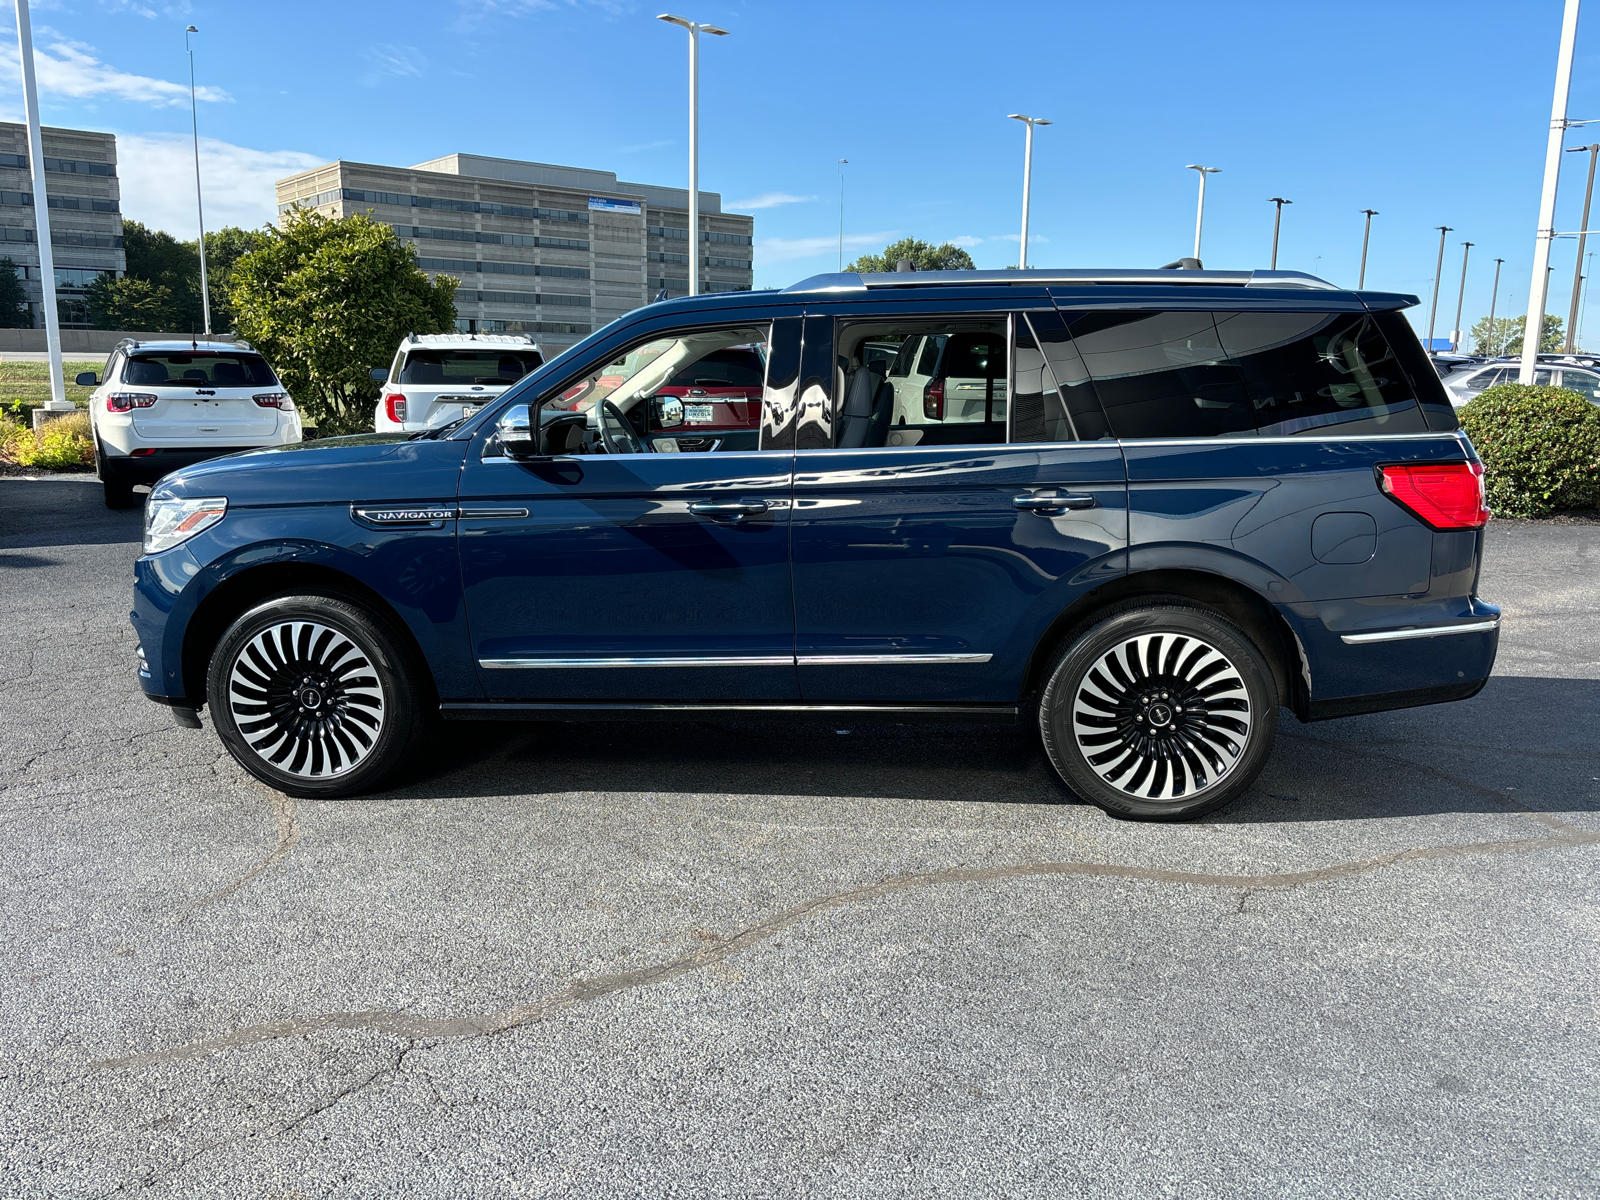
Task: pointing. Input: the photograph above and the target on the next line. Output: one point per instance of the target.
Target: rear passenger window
(945, 387)
(1162, 374)
(1054, 400)
(1309, 372)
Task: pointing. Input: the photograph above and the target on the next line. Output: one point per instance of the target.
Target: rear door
(635, 576)
(930, 556)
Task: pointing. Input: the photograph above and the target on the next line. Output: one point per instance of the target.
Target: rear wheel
(1160, 711)
(316, 696)
(118, 490)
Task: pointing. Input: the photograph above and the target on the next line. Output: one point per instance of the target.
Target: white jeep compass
(165, 405)
(439, 377)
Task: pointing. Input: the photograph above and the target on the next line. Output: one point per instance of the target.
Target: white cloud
(771, 200)
(1017, 237)
(68, 68)
(641, 147)
(157, 176)
(776, 250)
(967, 239)
(389, 61)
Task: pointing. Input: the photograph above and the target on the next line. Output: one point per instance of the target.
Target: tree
(328, 298)
(131, 304)
(162, 260)
(1505, 336)
(924, 256)
(224, 248)
(14, 312)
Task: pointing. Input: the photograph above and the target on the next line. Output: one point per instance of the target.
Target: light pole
(1583, 236)
(41, 212)
(695, 30)
(1277, 220)
(1200, 210)
(1546, 231)
(843, 162)
(1490, 341)
(1438, 270)
(1455, 334)
(1027, 180)
(1365, 238)
(199, 208)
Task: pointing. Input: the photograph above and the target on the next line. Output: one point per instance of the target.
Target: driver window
(691, 393)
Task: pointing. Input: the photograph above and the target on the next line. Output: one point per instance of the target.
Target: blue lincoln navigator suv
(1142, 508)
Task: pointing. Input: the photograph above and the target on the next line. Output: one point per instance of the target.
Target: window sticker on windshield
(697, 414)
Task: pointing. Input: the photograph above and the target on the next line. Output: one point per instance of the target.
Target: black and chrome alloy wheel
(306, 699)
(1162, 716)
(318, 695)
(1162, 710)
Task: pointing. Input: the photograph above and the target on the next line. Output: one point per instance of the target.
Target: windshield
(454, 367)
(721, 358)
(200, 368)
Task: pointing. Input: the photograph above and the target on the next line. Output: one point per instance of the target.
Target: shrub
(1540, 448)
(64, 442)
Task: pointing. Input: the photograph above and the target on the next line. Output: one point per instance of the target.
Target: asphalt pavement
(739, 959)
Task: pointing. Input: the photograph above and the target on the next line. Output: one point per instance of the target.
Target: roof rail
(850, 281)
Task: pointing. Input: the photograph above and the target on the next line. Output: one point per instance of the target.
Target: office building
(551, 251)
(85, 215)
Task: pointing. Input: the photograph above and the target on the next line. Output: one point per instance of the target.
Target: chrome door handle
(1053, 504)
(728, 510)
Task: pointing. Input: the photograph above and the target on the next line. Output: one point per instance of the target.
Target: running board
(576, 710)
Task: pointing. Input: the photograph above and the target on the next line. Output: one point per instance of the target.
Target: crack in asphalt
(415, 1028)
(283, 807)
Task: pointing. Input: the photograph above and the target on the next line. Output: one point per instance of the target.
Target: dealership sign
(606, 204)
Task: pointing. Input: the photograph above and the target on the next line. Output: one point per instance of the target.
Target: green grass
(26, 385)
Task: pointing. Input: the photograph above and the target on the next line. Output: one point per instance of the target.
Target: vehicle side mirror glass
(669, 411)
(87, 379)
(379, 374)
(516, 433)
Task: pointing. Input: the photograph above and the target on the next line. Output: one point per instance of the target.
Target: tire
(317, 696)
(1160, 711)
(118, 491)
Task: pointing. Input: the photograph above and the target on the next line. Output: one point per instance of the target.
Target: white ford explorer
(439, 377)
(164, 405)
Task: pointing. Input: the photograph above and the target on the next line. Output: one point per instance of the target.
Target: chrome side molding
(717, 660)
(861, 660)
(1401, 635)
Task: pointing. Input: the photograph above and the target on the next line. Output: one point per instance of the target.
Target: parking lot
(730, 958)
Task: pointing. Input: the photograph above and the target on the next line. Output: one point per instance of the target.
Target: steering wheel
(615, 431)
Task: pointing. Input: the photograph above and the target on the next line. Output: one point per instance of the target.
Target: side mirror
(669, 411)
(516, 433)
(379, 374)
(87, 379)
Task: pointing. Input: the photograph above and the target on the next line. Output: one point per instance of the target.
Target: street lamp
(695, 30)
(1545, 231)
(1583, 236)
(200, 212)
(1438, 270)
(1491, 342)
(58, 401)
(1455, 334)
(1200, 211)
(843, 163)
(1027, 179)
(1277, 220)
(1365, 238)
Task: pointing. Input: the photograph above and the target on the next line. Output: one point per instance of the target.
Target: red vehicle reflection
(720, 392)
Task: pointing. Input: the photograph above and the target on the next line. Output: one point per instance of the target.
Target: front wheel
(1159, 711)
(316, 696)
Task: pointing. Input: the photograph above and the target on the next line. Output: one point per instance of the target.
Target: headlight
(169, 522)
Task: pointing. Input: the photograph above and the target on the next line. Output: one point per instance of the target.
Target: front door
(935, 542)
(614, 572)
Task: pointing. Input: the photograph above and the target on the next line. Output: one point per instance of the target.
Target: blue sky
(1432, 113)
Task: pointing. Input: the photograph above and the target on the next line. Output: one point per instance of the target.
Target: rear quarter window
(1319, 372)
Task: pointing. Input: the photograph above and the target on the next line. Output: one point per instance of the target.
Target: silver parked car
(1468, 384)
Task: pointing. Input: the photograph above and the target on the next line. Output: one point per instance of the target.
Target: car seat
(868, 403)
(148, 374)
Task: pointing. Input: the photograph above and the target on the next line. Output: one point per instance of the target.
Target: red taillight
(1444, 495)
(395, 405)
(933, 400)
(127, 401)
(143, 452)
(274, 400)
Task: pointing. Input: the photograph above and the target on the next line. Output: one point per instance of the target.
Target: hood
(345, 470)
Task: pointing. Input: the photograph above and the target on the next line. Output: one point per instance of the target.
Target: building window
(74, 166)
(742, 264)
